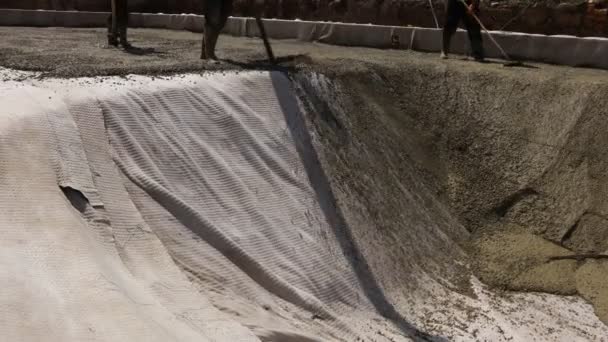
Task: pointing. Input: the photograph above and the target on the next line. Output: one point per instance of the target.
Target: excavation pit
(347, 193)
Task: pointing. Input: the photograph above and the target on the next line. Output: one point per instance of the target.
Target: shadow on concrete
(333, 214)
(515, 63)
(133, 50)
(282, 63)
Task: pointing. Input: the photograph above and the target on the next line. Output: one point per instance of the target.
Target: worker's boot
(474, 33)
(209, 42)
(112, 40)
(112, 36)
(478, 53)
(446, 38)
(124, 42)
(204, 48)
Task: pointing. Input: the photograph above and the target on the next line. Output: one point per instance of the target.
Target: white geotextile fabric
(218, 167)
(220, 204)
(189, 212)
(97, 274)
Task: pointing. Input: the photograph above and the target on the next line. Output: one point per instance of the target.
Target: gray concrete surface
(69, 52)
(556, 49)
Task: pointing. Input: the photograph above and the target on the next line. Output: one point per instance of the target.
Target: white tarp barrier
(10, 17)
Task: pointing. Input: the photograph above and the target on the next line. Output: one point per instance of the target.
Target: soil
(516, 154)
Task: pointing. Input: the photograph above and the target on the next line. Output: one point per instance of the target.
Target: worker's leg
(113, 26)
(216, 15)
(112, 36)
(122, 10)
(454, 13)
(210, 37)
(474, 33)
(213, 12)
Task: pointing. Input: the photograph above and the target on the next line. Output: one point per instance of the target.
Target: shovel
(260, 23)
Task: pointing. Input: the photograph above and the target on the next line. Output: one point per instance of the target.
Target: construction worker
(457, 11)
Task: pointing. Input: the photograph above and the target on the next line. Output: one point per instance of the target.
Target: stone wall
(544, 17)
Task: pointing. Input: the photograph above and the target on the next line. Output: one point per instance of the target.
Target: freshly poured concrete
(329, 203)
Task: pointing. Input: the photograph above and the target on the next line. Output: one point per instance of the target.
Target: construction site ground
(67, 52)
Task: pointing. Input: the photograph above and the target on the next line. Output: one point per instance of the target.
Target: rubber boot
(477, 48)
(112, 40)
(123, 38)
(209, 42)
(204, 48)
(445, 43)
(475, 38)
(112, 36)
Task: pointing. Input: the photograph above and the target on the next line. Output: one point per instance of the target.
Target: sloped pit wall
(520, 160)
(245, 206)
(195, 208)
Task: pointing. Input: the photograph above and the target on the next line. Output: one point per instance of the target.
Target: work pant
(122, 20)
(456, 11)
(216, 15)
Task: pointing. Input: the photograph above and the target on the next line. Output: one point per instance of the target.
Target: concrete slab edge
(558, 49)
